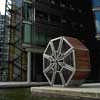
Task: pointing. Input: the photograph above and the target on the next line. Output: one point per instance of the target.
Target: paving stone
(76, 93)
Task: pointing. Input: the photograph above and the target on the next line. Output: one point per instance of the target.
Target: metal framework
(3, 48)
(59, 60)
(16, 60)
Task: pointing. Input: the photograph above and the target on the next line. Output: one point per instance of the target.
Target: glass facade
(96, 3)
(39, 38)
(3, 50)
(97, 21)
(33, 33)
(12, 61)
(27, 22)
(27, 33)
(27, 11)
(96, 10)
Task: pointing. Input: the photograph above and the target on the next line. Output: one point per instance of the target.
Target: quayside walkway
(82, 93)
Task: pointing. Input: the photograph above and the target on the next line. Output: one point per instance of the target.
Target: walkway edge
(68, 92)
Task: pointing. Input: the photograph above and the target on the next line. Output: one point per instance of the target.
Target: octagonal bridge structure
(66, 61)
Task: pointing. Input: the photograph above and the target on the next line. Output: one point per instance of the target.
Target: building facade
(94, 49)
(44, 20)
(16, 60)
(32, 23)
(4, 49)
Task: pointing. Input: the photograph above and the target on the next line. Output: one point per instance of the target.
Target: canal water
(15, 94)
(25, 94)
(22, 94)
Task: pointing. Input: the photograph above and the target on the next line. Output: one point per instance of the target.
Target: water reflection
(25, 94)
(15, 94)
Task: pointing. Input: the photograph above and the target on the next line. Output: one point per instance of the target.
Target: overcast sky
(2, 6)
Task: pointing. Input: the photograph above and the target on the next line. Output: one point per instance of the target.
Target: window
(63, 20)
(96, 9)
(27, 12)
(97, 21)
(27, 33)
(39, 38)
(55, 19)
(41, 16)
(42, 38)
(19, 3)
(63, 3)
(55, 2)
(96, 3)
(52, 2)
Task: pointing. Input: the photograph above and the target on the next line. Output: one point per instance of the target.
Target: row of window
(1, 18)
(58, 3)
(1, 22)
(1, 25)
(41, 16)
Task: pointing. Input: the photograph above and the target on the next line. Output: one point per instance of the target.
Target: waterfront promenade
(82, 93)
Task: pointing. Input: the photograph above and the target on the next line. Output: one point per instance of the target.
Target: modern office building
(16, 60)
(4, 49)
(32, 23)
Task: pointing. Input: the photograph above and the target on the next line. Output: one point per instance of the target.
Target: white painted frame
(53, 66)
